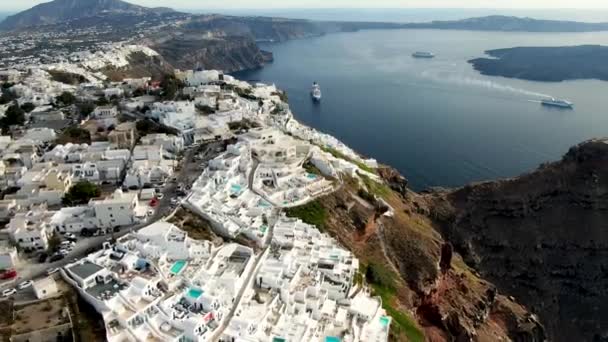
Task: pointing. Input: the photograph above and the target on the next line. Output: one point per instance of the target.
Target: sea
(438, 121)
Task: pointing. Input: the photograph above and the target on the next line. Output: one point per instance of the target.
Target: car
(52, 271)
(70, 237)
(8, 292)
(42, 257)
(56, 257)
(160, 196)
(67, 244)
(64, 251)
(25, 284)
(8, 274)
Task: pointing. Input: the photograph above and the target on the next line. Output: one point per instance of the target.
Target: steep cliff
(223, 53)
(428, 290)
(542, 238)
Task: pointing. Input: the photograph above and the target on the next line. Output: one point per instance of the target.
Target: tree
(75, 135)
(7, 95)
(66, 98)
(54, 241)
(139, 92)
(102, 101)
(28, 107)
(85, 108)
(81, 193)
(14, 115)
(171, 86)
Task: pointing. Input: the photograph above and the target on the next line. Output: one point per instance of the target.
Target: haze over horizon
(344, 4)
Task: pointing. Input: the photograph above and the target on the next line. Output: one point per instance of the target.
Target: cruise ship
(316, 92)
(553, 102)
(420, 54)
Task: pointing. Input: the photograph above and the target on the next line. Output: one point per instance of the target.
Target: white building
(116, 211)
(31, 230)
(45, 288)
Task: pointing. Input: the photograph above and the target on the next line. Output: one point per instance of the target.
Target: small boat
(422, 54)
(316, 92)
(553, 102)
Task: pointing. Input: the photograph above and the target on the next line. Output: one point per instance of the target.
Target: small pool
(384, 321)
(332, 339)
(195, 293)
(264, 204)
(311, 176)
(178, 266)
(263, 228)
(236, 188)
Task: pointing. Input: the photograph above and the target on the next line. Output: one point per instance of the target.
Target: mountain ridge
(63, 10)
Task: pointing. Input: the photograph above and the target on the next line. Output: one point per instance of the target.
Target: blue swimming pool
(332, 339)
(311, 176)
(195, 293)
(178, 266)
(384, 321)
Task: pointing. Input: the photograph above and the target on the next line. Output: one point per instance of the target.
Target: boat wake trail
(450, 77)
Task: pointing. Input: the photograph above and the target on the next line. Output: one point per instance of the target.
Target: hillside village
(98, 178)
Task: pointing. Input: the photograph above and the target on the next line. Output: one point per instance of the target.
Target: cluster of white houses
(156, 283)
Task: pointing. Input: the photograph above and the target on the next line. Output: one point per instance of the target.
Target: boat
(316, 92)
(421, 54)
(553, 102)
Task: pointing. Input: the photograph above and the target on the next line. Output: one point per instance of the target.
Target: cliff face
(232, 54)
(542, 238)
(427, 288)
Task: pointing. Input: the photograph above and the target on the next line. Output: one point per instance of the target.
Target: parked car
(67, 244)
(56, 257)
(160, 196)
(42, 257)
(25, 284)
(8, 292)
(8, 274)
(71, 237)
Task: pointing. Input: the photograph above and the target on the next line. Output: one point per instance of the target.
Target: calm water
(438, 121)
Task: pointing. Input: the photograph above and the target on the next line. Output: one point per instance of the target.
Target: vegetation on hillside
(340, 155)
(312, 213)
(80, 193)
(74, 135)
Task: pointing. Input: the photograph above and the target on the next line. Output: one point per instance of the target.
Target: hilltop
(63, 10)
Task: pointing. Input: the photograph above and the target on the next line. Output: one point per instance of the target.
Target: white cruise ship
(316, 92)
(553, 102)
(420, 54)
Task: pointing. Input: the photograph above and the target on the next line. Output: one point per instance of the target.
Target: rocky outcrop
(394, 179)
(541, 238)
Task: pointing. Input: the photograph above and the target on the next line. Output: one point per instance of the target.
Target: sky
(266, 4)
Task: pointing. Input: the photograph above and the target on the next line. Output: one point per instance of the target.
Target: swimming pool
(178, 266)
(311, 176)
(384, 321)
(195, 293)
(332, 339)
(236, 188)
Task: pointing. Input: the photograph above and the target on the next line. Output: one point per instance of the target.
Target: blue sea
(438, 121)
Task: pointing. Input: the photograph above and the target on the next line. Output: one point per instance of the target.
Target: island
(546, 64)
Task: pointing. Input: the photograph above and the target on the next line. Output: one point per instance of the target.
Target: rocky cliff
(540, 237)
(425, 286)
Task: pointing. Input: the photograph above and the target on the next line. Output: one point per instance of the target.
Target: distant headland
(547, 64)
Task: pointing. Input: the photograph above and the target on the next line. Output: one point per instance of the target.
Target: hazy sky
(250, 4)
